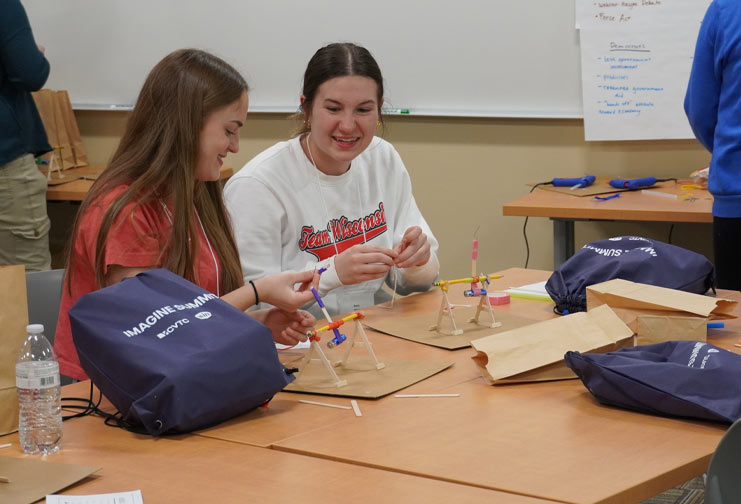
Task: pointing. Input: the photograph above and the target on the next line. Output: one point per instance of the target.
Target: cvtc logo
(203, 315)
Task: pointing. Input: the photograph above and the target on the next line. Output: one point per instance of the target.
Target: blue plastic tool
(585, 181)
(633, 183)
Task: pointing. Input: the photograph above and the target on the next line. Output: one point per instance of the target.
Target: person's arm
(703, 91)
(22, 61)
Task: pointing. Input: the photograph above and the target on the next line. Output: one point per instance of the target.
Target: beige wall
(463, 170)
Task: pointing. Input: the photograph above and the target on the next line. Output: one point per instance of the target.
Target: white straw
(6, 445)
(427, 395)
(659, 193)
(355, 407)
(315, 403)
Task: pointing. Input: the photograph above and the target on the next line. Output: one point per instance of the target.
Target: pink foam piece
(499, 298)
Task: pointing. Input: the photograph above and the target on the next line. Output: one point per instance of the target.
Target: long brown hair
(157, 156)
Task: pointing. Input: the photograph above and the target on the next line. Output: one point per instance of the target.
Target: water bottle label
(34, 378)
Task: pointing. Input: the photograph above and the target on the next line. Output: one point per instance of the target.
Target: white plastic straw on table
(659, 193)
(427, 395)
(6, 445)
(315, 403)
(355, 407)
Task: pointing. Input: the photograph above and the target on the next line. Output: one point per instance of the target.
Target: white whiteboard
(489, 58)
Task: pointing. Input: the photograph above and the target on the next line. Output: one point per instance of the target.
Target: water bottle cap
(35, 328)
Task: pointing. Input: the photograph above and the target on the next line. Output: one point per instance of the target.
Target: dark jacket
(23, 68)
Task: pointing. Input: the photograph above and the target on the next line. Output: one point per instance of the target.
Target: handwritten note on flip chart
(636, 57)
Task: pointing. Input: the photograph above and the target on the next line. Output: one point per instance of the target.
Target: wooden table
(78, 188)
(551, 441)
(196, 469)
(565, 209)
(541, 442)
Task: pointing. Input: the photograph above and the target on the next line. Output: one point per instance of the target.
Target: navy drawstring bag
(171, 356)
(687, 379)
(631, 258)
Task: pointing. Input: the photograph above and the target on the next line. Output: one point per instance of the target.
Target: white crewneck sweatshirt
(280, 222)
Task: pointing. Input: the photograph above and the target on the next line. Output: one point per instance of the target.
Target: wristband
(257, 296)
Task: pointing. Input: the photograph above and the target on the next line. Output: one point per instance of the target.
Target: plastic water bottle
(39, 394)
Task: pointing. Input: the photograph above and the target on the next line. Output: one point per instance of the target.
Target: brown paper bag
(13, 321)
(535, 352)
(44, 99)
(64, 147)
(73, 132)
(668, 314)
(61, 128)
(652, 329)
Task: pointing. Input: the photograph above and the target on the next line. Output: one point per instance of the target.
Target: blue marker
(716, 325)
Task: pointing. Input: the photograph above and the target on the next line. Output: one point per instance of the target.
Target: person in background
(713, 107)
(334, 196)
(159, 203)
(24, 223)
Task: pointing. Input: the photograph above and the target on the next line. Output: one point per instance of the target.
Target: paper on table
(534, 290)
(132, 497)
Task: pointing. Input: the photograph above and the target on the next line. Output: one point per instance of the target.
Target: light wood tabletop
(196, 469)
(690, 205)
(538, 442)
(550, 440)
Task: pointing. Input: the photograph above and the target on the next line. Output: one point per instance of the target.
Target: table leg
(563, 241)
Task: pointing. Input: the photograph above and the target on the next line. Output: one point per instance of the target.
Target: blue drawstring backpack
(688, 379)
(172, 356)
(630, 258)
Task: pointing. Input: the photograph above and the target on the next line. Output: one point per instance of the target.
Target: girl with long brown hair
(159, 203)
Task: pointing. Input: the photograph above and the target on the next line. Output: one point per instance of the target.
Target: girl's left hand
(413, 249)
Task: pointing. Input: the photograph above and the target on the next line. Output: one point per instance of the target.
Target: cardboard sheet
(31, 478)
(535, 352)
(363, 379)
(417, 328)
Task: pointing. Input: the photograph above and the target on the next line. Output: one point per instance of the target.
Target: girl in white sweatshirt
(335, 195)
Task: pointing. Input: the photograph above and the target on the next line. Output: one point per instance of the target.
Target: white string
(321, 193)
(326, 211)
(213, 256)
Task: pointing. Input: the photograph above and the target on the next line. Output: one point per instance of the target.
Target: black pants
(727, 245)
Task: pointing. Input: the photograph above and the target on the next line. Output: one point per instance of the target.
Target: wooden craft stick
(315, 403)
(355, 407)
(427, 395)
(4, 479)
(6, 445)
